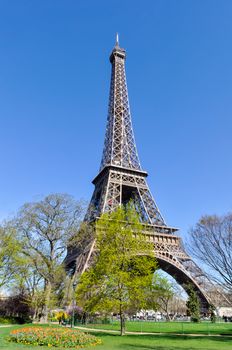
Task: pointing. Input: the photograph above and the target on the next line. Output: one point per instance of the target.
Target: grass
(169, 327)
(136, 342)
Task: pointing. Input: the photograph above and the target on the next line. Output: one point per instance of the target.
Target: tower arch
(184, 279)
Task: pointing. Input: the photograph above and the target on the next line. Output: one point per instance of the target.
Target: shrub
(53, 337)
(105, 320)
(16, 307)
(7, 320)
(61, 316)
(13, 320)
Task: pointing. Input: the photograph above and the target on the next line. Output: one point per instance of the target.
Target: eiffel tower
(121, 179)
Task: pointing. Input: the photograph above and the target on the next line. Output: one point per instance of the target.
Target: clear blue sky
(54, 85)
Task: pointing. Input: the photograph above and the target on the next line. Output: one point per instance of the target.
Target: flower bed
(53, 337)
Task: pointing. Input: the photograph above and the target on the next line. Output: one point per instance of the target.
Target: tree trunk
(122, 322)
(35, 314)
(173, 317)
(48, 290)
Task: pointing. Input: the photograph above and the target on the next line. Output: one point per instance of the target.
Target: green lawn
(136, 342)
(170, 327)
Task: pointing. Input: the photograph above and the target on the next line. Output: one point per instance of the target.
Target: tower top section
(117, 51)
(121, 178)
(119, 147)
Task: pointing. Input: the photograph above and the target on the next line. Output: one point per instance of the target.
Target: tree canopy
(120, 278)
(34, 245)
(10, 249)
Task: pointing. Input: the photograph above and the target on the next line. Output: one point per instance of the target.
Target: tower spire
(117, 40)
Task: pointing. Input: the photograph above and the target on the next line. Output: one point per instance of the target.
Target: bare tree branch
(211, 243)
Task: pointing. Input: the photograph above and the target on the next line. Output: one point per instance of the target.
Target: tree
(211, 243)
(45, 228)
(10, 248)
(177, 306)
(212, 311)
(120, 278)
(168, 296)
(61, 316)
(17, 274)
(161, 294)
(193, 305)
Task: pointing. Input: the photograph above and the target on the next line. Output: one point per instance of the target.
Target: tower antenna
(117, 40)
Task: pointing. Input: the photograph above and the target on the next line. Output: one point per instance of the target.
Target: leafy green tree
(10, 249)
(162, 294)
(193, 305)
(121, 276)
(212, 311)
(45, 228)
(27, 282)
(17, 273)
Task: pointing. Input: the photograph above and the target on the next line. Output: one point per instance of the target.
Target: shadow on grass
(163, 342)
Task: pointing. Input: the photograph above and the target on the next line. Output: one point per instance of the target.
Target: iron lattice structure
(122, 179)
